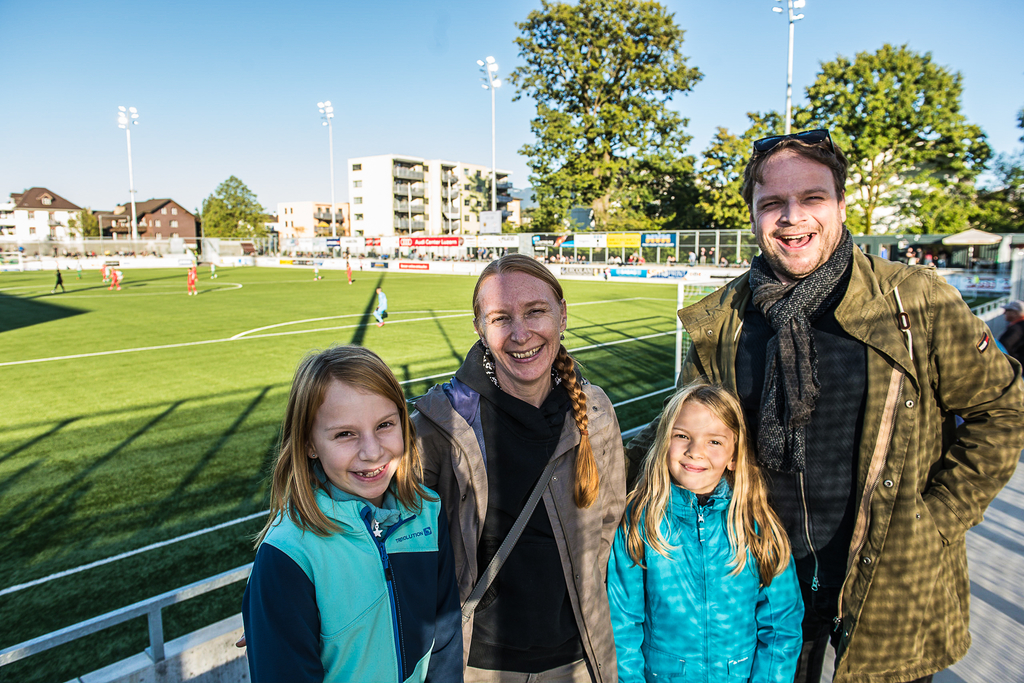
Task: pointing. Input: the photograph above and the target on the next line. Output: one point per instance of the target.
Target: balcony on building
(504, 185)
(326, 217)
(404, 224)
(409, 189)
(404, 207)
(449, 177)
(450, 192)
(503, 199)
(407, 173)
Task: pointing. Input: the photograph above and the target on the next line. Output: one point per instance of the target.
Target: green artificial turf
(102, 453)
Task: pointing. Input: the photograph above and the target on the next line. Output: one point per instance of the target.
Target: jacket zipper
(704, 583)
(807, 531)
(389, 579)
(869, 490)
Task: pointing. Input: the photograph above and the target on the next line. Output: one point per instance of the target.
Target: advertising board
(618, 240)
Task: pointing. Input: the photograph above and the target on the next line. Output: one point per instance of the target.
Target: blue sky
(230, 88)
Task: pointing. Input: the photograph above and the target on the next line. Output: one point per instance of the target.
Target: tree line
(603, 73)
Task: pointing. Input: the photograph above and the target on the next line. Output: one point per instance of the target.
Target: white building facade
(311, 219)
(391, 194)
(37, 214)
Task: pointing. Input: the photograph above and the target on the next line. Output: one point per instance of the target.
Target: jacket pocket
(662, 666)
(338, 624)
(740, 667)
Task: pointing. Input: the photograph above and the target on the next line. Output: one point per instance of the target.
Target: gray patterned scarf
(791, 362)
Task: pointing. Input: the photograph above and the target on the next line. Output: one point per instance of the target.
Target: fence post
(156, 635)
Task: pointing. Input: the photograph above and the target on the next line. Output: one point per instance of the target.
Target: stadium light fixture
(489, 70)
(326, 114)
(126, 118)
(793, 18)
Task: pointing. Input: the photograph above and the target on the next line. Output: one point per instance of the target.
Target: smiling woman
(517, 419)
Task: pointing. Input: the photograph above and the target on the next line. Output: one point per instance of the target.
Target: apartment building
(392, 194)
(157, 219)
(311, 219)
(37, 213)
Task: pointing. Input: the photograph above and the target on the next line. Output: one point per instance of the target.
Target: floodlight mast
(793, 18)
(327, 113)
(488, 68)
(126, 118)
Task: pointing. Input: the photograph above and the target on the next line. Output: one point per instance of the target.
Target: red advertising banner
(429, 241)
(402, 265)
(373, 241)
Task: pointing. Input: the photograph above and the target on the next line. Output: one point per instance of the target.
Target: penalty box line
(240, 520)
(239, 337)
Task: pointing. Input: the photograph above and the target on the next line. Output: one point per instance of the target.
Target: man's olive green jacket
(923, 482)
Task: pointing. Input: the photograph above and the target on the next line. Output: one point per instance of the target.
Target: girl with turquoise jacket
(700, 581)
(354, 577)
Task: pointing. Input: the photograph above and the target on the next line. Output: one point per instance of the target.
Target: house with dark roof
(157, 218)
(36, 214)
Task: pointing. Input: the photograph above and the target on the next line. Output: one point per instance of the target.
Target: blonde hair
(587, 478)
(294, 482)
(752, 524)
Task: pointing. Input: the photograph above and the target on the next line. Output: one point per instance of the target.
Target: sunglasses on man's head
(809, 137)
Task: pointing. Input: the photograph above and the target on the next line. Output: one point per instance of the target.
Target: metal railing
(990, 306)
(403, 224)
(150, 608)
(407, 190)
(404, 207)
(408, 174)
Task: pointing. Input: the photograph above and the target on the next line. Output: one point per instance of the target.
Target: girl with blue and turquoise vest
(354, 578)
(700, 581)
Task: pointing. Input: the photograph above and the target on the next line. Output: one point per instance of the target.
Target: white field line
(237, 337)
(222, 525)
(332, 317)
(71, 295)
(137, 551)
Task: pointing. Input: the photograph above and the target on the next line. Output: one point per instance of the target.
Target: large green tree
(720, 176)
(86, 223)
(897, 116)
(233, 211)
(602, 73)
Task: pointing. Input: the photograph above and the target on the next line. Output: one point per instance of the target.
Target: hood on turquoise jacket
(687, 617)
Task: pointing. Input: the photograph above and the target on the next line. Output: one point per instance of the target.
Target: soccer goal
(686, 295)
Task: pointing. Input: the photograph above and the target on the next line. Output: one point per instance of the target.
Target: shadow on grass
(359, 332)
(36, 439)
(174, 501)
(455, 353)
(17, 312)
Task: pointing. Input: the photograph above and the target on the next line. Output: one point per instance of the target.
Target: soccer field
(133, 417)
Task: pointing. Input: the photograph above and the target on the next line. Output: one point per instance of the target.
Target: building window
(174, 212)
(357, 167)
(159, 236)
(468, 187)
(158, 222)
(357, 183)
(467, 202)
(174, 224)
(46, 201)
(164, 211)
(357, 200)
(31, 230)
(359, 216)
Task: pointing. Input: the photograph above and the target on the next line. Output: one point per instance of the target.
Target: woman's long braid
(587, 482)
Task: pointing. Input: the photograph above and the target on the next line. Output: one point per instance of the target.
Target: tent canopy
(972, 236)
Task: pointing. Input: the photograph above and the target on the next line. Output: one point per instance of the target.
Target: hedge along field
(106, 453)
